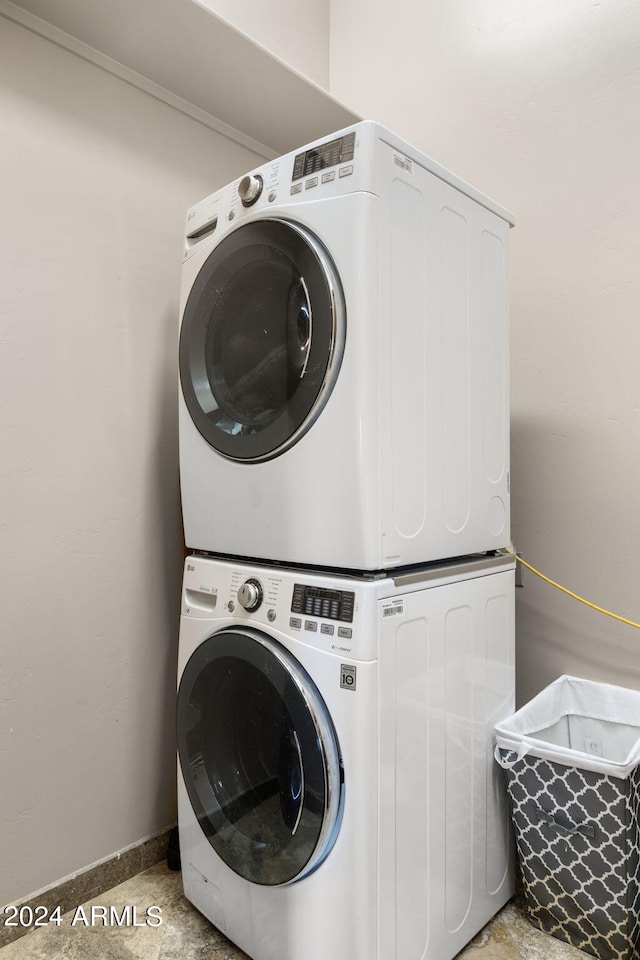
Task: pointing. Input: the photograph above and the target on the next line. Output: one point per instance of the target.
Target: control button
(272, 196)
(250, 594)
(298, 166)
(296, 188)
(296, 623)
(231, 606)
(312, 182)
(296, 600)
(250, 188)
(328, 177)
(271, 615)
(327, 628)
(345, 171)
(311, 625)
(346, 609)
(345, 632)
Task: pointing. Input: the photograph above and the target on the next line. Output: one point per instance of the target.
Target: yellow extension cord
(575, 596)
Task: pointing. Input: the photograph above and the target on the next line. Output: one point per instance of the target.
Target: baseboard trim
(70, 892)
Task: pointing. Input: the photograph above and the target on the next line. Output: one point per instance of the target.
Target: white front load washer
(337, 792)
(343, 361)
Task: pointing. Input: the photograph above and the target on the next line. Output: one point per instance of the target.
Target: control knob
(250, 188)
(250, 595)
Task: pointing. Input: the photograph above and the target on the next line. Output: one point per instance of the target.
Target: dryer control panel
(328, 154)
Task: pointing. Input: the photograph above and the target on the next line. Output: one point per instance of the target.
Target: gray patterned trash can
(572, 763)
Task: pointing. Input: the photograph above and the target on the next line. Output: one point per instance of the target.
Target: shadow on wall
(162, 526)
(552, 641)
(573, 478)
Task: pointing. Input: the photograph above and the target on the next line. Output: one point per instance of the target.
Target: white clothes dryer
(344, 362)
(336, 786)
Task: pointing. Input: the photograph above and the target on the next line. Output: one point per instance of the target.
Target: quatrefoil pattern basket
(577, 834)
(572, 763)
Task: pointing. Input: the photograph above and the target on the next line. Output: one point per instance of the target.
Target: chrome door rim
(320, 734)
(334, 353)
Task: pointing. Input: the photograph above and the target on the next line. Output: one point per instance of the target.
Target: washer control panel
(325, 612)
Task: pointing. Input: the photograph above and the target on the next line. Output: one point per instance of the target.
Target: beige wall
(296, 31)
(95, 180)
(538, 106)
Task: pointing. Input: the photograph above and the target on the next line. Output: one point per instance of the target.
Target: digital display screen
(326, 155)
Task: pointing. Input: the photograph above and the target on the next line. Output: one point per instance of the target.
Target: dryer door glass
(261, 339)
(259, 757)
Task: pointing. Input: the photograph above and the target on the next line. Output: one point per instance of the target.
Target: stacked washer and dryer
(347, 629)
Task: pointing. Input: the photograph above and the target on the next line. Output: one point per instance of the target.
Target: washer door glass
(259, 757)
(261, 339)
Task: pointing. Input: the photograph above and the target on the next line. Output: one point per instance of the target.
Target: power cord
(575, 596)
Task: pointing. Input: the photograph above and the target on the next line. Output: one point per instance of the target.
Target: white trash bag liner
(579, 723)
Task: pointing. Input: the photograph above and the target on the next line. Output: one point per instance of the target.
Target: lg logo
(347, 676)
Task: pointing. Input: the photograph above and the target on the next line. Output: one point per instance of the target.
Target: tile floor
(185, 935)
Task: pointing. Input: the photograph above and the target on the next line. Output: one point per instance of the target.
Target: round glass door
(259, 757)
(261, 340)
